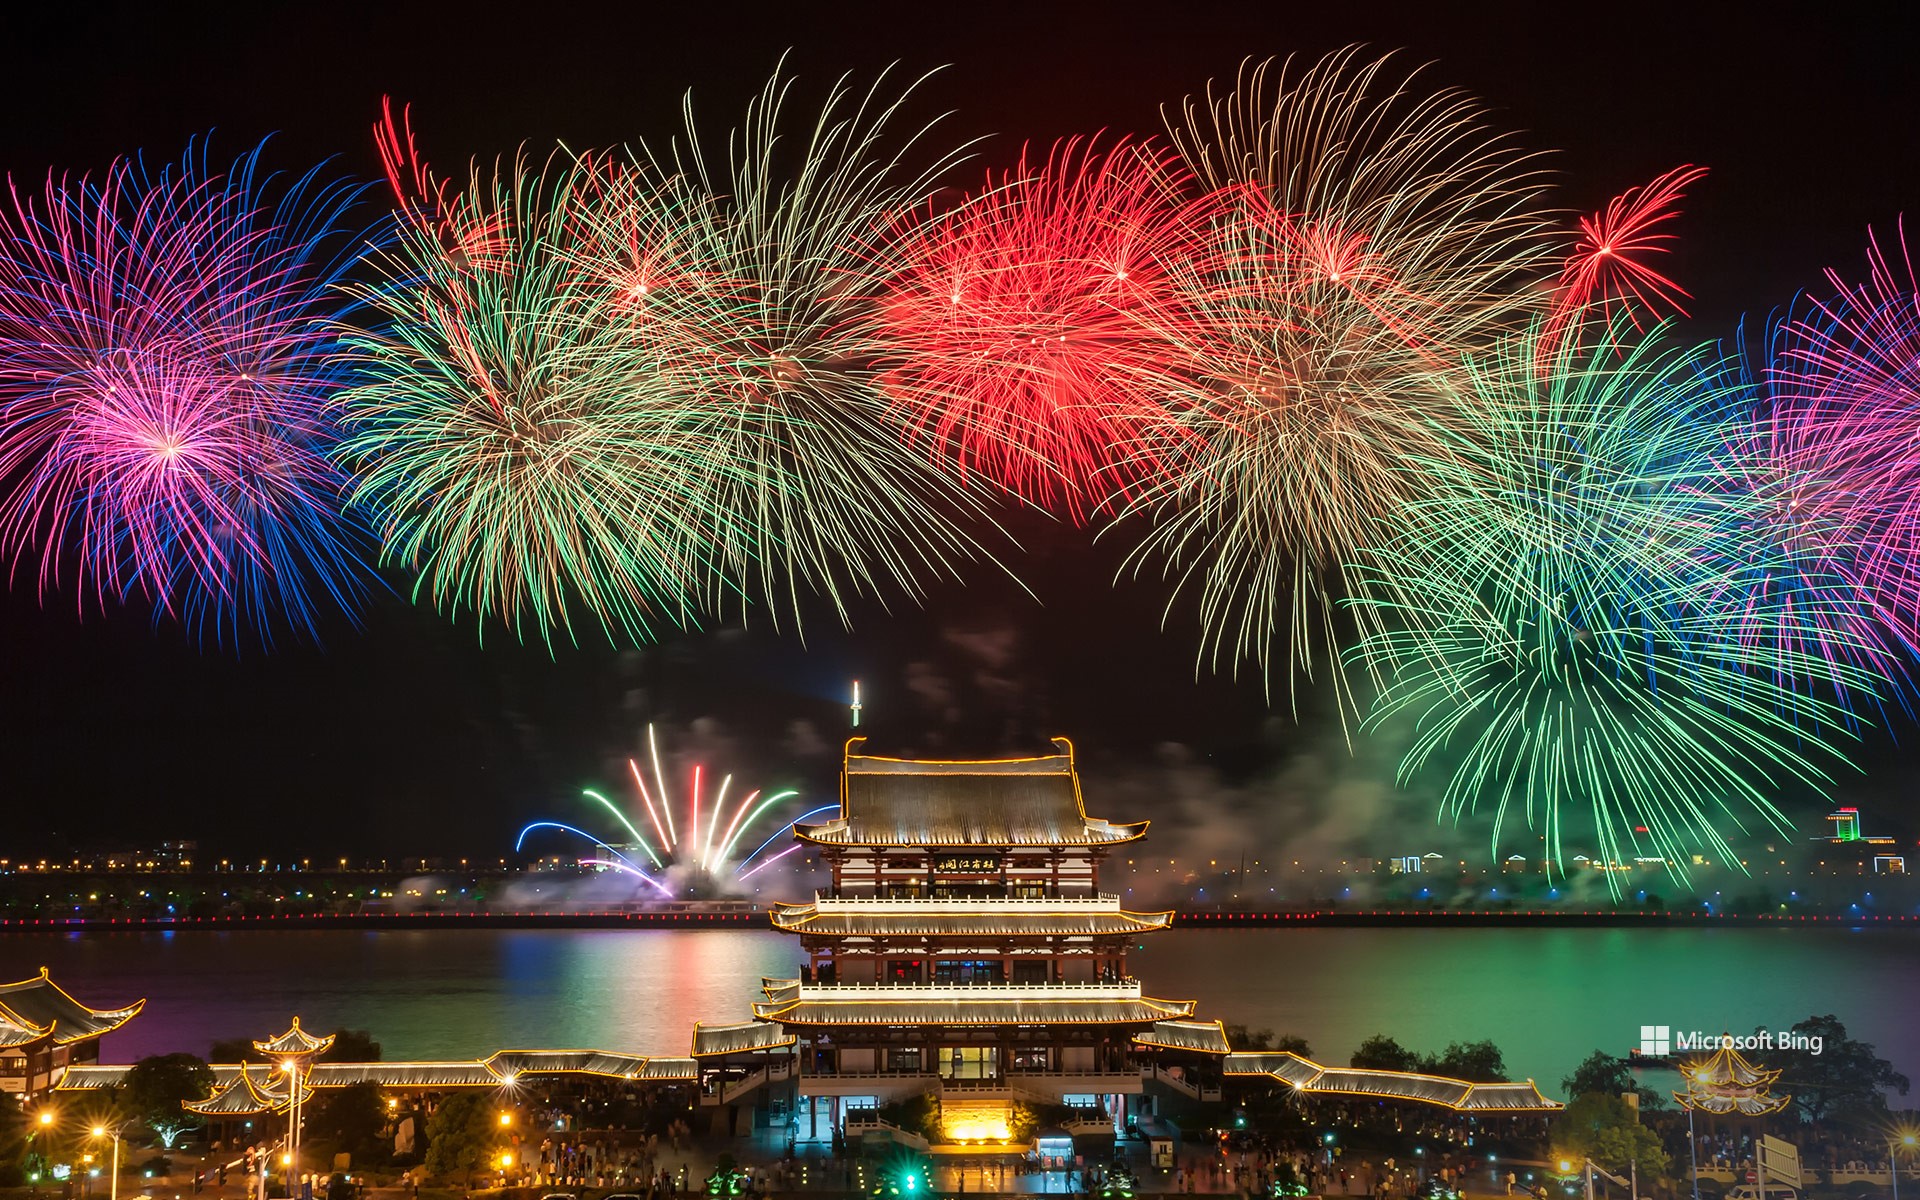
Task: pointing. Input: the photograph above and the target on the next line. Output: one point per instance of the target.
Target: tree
(1475, 1062)
(1382, 1053)
(350, 1118)
(461, 1137)
(1604, 1129)
(1845, 1082)
(1240, 1037)
(1605, 1075)
(155, 1089)
(351, 1045)
(16, 1134)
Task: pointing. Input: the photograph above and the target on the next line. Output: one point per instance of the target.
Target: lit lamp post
(292, 1157)
(37, 1165)
(1905, 1139)
(113, 1177)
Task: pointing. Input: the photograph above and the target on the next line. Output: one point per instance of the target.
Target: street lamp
(113, 1180)
(292, 1158)
(1901, 1137)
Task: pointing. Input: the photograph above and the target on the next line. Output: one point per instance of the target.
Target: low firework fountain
(692, 846)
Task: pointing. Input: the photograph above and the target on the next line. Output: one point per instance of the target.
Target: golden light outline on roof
(295, 1042)
(781, 1040)
(782, 1010)
(114, 1017)
(1147, 1038)
(1313, 1085)
(1093, 831)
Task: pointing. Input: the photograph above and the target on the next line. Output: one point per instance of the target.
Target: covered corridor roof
(1308, 1076)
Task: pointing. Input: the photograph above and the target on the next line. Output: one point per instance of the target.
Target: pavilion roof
(972, 802)
(1308, 1076)
(738, 1038)
(1727, 1067)
(255, 1088)
(245, 1088)
(39, 1003)
(1208, 1037)
(1746, 1103)
(17, 1033)
(1014, 919)
(987, 1010)
(295, 1041)
(86, 1077)
(509, 1063)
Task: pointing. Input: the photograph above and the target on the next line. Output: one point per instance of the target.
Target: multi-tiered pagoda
(965, 946)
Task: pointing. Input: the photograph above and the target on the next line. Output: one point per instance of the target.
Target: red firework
(1016, 325)
(473, 241)
(1607, 268)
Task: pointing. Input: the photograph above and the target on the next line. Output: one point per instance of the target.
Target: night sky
(409, 737)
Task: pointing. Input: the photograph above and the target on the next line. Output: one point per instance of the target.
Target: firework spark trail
(775, 335)
(1606, 276)
(165, 389)
(1557, 627)
(1016, 323)
(518, 455)
(1803, 594)
(1846, 388)
(1363, 237)
(710, 849)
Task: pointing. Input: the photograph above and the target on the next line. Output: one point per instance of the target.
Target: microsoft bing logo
(1656, 1041)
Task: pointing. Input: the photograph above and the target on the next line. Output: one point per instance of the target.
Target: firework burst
(775, 337)
(1607, 275)
(1018, 321)
(520, 455)
(680, 845)
(1361, 239)
(1560, 626)
(1845, 387)
(165, 383)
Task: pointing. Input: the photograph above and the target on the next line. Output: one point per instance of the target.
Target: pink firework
(1848, 383)
(165, 377)
(1019, 347)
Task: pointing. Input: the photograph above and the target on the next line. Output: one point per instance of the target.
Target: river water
(1547, 996)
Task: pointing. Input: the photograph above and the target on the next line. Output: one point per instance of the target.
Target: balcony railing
(1113, 989)
(1077, 902)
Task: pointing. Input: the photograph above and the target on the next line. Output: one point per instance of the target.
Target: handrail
(1102, 901)
(1119, 989)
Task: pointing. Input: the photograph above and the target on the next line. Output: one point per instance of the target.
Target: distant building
(43, 1031)
(1846, 830)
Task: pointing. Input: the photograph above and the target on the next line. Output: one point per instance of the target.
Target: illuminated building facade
(964, 946)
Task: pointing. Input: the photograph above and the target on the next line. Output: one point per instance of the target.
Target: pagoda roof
(1014, 918)
(1305, 1075)
(964, 802)
(295, 1041)
(40, 1004)
(255, 1088)
(16, 1033)
(738, 1038)
(1208, 1037)
(908, 1009)
(1747, 1104)
(1727, 1067)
